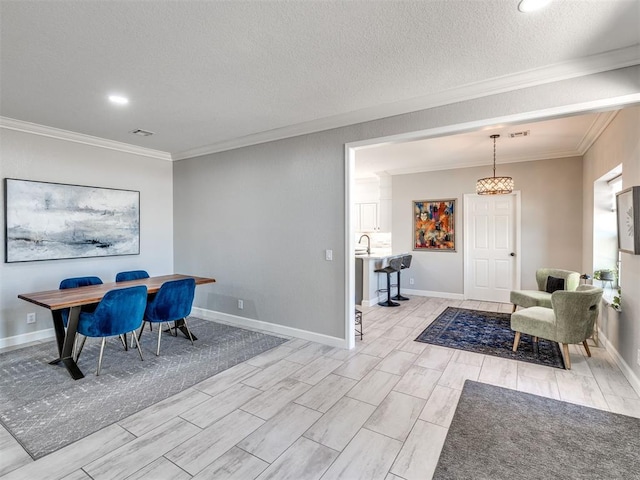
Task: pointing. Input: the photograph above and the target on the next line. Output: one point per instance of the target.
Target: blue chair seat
(120, 311)
(172, 303)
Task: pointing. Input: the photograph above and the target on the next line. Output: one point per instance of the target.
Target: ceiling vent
(142, 133)
(525, 133)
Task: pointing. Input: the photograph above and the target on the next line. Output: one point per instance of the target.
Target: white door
(492, 264)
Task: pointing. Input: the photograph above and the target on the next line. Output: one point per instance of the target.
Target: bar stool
(359, 323)
(406, 263)
(395, 264)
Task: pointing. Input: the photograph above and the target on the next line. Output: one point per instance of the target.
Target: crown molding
(43, 130)
(600, 123)
(612, 60)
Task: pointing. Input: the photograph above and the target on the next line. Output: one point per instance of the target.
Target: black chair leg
(389, 303)
(398, 296)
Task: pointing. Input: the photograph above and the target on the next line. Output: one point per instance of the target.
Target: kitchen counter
(368, 282)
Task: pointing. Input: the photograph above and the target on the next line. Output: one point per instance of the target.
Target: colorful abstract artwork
(434, 225)
(50, 221)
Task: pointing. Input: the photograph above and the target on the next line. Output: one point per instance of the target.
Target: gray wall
(619, 143)
(35, 157)
(551, 200)
(259, 218)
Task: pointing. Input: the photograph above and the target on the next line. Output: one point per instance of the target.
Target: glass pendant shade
(494, 185)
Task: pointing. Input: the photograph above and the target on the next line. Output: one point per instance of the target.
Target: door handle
(512, 254)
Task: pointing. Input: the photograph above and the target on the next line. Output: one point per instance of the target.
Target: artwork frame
(434, 225)
(59, 221)
(628, 220)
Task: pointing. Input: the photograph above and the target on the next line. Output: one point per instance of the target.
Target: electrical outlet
(31, 317)
(328, 255)
(411, 282)
(638, 359)
(240, 304)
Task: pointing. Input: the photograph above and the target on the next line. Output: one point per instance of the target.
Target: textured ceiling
(206, 73)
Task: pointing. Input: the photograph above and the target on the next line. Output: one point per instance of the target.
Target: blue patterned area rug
(45, 409)
(488, 333)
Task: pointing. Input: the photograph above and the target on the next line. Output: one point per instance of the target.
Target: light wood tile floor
(305, 411)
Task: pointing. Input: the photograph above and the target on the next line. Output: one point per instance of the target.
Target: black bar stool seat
(406, 263)
(395, 264)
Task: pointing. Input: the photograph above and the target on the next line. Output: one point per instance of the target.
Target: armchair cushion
(554, 283)
(530, 298)
(542, 296)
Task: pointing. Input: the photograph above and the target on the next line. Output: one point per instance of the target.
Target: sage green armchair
(570, 320)
(542, 296)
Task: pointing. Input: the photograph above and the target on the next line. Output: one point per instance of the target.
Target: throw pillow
(554, 283)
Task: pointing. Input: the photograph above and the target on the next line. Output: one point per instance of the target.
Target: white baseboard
(624, 367)
(418, 293)
(428, 293)
(267, 327)
(23, 338)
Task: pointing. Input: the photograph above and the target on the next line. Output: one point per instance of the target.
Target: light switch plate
(328, 255)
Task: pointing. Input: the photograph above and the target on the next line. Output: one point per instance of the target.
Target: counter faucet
(368, 243)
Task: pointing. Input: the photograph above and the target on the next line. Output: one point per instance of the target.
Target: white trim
(349, 258)
(267, 327)
(600, 123)
(612, 60)
(35, 129)
(46, 334)
(626, 369)
(429, 293)
(417, 293)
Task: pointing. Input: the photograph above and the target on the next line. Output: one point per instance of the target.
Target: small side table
(359, 323)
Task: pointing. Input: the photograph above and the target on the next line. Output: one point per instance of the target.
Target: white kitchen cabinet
(366, 217)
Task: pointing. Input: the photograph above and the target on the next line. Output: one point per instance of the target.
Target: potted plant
(604, 275)
(615, 304)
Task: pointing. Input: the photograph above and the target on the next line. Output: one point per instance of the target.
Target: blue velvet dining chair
(120, 311)
(75, 283)
(172, 303)
(131, 275)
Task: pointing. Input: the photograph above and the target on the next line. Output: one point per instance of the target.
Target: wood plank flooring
(305, 411)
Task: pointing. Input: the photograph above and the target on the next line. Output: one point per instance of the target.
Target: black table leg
(58, 327)
(179, 325)
(67, 348)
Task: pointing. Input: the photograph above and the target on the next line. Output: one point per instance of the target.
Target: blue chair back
(79, 282)
(74, 283)
(172, 302)
(132, 275)
(120, 311)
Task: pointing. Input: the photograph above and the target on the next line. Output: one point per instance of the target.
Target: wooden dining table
(75, 298)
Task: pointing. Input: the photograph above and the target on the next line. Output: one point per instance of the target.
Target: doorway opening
(350, 169)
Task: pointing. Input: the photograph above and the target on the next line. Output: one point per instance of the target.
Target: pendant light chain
(494, 185)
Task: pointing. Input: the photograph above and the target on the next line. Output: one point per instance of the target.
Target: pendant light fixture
(494, 185)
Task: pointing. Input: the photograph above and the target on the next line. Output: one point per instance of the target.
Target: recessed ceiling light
(526, 6)
(119, 100)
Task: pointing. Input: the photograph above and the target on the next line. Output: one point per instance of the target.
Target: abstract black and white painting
(51, 221)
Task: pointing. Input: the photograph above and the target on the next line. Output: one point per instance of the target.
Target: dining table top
(73, 297)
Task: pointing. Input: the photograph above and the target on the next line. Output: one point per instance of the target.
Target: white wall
(34, 157)
(259, 218)
(551, 196)
(618, 144)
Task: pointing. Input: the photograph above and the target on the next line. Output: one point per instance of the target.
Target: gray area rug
(45, 409)
(497, 433)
